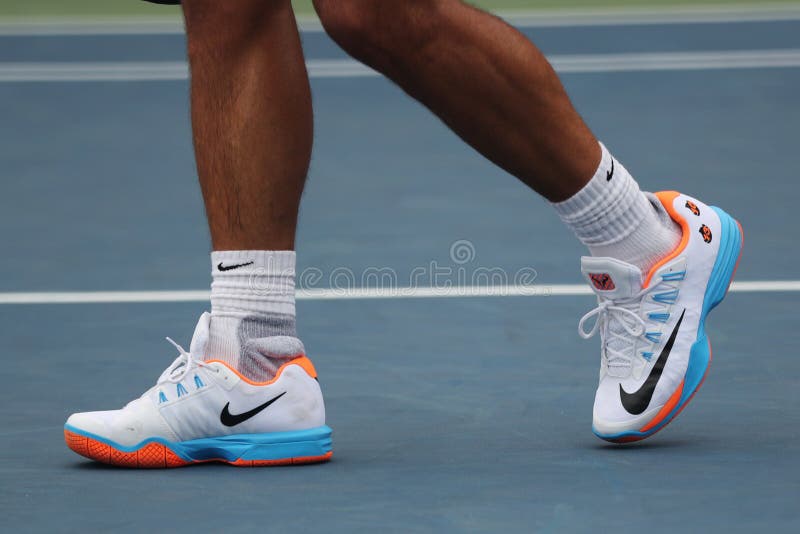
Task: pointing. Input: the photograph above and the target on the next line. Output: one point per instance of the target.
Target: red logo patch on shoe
(705, 231)
(602, 281)
(693, 207)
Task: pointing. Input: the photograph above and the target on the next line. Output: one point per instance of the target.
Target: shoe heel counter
(308, 402)
(306, 364)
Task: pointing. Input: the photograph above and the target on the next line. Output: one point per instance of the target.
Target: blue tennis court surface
(457, 414)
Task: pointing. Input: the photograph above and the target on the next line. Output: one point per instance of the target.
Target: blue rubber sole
(730, 250)
(277, 447)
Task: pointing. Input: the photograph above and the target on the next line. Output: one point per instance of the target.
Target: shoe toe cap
(612, 419)
(609, 416)
(97, 423)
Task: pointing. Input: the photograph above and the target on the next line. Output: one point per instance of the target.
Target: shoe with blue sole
(206, 411)
(655, 351)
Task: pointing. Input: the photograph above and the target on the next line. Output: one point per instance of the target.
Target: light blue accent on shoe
(276, 446)
(181, 390)
(653, 337)
(197, 382)
(647, 356)
(666, 297)
(161, 397)
(269, 446)
(673, 277)
(730, 248)
(658, 317)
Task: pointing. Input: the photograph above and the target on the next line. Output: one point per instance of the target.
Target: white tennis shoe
(207, 411)
(654, 349)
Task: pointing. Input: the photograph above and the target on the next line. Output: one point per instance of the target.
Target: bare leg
(482, 77)
(252, 125)
(251, 119)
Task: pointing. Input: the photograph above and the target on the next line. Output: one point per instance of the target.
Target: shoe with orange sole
(206, 411)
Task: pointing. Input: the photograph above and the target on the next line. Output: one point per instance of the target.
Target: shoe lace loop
(604, 311)
(182, 365)
(618, 322)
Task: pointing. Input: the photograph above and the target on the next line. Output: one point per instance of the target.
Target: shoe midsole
(267, 446)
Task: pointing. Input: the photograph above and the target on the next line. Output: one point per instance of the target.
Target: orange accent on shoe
(286, 461)
(305, 363)
(667, 198)
(126, 459)
(98, 450)
(302, 361)
(173, 460)
(76, 442)
(152, 455)
(156, 455)
(664, 411)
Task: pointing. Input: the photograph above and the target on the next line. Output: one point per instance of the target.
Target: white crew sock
(614, 218)
(252, 311)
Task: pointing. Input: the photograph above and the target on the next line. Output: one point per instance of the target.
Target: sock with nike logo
(252, 324)
(615, 219)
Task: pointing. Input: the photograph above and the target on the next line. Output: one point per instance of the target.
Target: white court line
(629, 16)
(529, 18)
(345, 68)
(114, 297)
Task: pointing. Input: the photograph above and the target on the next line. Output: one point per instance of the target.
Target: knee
(216, 26)
(365, 28)
(347, 21)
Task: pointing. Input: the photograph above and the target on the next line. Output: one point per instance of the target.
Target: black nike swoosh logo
(232, 267)
(638, 401)
(228, 419)
(610, 174)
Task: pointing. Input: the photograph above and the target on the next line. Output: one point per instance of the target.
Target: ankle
(252, 325)
(614, 218)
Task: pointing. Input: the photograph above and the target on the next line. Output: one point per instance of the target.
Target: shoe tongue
(611, 278)
(200, 338)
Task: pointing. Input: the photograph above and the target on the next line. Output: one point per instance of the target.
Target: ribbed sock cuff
(608, 208)
(246, 282)
(614, 218)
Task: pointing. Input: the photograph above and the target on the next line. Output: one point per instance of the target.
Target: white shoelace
(618, 324)
(182, 365)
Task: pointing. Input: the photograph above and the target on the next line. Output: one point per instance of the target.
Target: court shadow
(95, 466)
(645, 445)
(90, 465)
